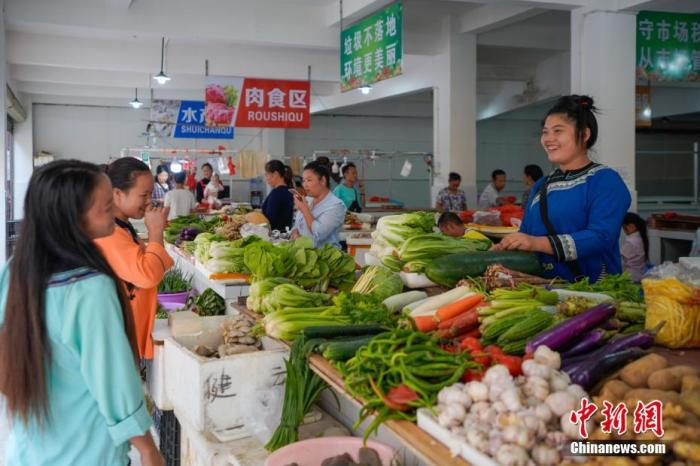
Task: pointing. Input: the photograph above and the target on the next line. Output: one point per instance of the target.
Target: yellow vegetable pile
(675, 303)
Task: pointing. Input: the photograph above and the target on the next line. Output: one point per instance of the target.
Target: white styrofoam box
(156, 375)
(202, 448)
(428, 423)
(220, 394)
(416, 280)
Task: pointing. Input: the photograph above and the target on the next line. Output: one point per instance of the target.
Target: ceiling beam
(352, 11)
(488, 17)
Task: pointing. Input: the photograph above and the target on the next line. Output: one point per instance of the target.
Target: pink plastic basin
(313, 451)
(180, 297)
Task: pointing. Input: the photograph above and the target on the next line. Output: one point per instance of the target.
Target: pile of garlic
(518, 421)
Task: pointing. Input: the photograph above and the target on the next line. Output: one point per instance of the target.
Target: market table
(414, 439)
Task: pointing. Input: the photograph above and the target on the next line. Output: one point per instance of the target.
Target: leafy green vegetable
(392, 263)
(361, 308)
(616, 286)
(288, 295)
(175, 281)
(379, 282)
(434, 245)
(259, 289)
(209, 303)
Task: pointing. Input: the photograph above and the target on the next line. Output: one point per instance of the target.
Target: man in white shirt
(179, 201)
(490, 198)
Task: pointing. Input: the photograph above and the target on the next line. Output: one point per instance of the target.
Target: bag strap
(572, 265)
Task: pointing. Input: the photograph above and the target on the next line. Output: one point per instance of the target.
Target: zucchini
(334, 331)
(342, 350)
(450, 269)
(501, 326)
(530, 326)
(515, 347)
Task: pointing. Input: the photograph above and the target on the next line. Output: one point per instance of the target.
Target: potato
(598, 434)
(614, 390)
(673, 411)
(690, 419)
(669, 378)
(649, 460)
(691, 401)
(690, 382)
(636, 374)
(687, 450)
(645, 395)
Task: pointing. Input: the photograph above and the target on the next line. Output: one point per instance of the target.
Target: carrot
(458, 307)
(459, 325)
(229, 276)
(425, 323)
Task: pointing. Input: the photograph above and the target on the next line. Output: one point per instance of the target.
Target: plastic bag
(484, 217)
(676, 303)
(261, 231)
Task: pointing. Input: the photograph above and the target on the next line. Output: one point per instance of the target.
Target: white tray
(428, 423)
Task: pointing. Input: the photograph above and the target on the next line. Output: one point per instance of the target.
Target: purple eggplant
(189, 234)
(613, 324)
(587, 343)
(588, 375)
(562, 334)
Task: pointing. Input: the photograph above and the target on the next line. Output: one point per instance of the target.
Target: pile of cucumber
(340, 343)
(513, 332)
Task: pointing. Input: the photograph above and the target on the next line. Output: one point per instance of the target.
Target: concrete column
(454, 115)
(602, 66)
(24, 151)
(3, 125)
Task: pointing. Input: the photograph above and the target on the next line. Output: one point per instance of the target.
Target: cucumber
(450, 269)
(345, 349)
(334, 331)
(527, 328)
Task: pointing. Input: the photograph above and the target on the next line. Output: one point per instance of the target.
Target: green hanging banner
(668, 46)
(371, 50)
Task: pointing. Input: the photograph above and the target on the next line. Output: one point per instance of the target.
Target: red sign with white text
(257, 103)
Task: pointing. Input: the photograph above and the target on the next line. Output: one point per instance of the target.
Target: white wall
(3, 123)
(24, 152)
(96, 134)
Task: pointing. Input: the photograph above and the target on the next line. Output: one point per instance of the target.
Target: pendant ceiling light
(136, 103)
(161, 77)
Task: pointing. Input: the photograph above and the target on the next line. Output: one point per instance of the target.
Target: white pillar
(24, 152)
(454, 115)
(602, 66)
(3, 124)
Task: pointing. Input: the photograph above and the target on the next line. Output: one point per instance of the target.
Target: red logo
(649, 417)
(267, 103)
(614, 418)
(582, 415)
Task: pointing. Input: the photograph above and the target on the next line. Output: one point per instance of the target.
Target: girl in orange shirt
(141, 266)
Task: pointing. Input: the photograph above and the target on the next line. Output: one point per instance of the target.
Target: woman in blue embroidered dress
(576, 230)
(67, 343)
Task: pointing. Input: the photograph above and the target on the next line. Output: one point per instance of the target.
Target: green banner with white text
(371, 50)
(668, 46)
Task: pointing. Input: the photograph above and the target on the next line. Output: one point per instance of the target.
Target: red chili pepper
(471, 344)
(389, 403)
(401, 395)
(482, 358)
(472, 375)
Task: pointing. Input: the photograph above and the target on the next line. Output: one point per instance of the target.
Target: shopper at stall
(207, 172)
(346, 191)
(490, 197)
(69, 376)
(141, 267)
(573, 221)
(212, 192)
(321, 215)
(179, 201)
(451, 198)
(531, 175)
(635, 247)
(278, 206)
(161, 185)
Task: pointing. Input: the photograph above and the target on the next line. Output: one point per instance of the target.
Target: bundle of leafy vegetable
(292, 296)
(261, 288)
(311, 268)
(227, 256)
(393, 230)
(301, 390)
(434, 245)
(202, 245)
(208, 303)
(616, 286)
(178, 224)
(175, 281)
(379, 282)
(348, 308)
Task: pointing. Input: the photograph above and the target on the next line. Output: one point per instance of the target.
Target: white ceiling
(102, 49)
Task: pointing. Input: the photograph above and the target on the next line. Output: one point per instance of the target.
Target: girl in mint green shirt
(69, 374)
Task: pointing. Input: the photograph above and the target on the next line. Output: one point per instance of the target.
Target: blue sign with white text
(190, 123)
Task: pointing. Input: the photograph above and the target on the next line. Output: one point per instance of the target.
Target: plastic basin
(312, 452)
(172, 307)
(178, 298)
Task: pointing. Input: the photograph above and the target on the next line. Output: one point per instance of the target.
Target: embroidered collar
(560, 175)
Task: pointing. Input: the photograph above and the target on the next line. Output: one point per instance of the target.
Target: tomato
(513, 363)
(494, 350)
(471, 344)
(472, 375)
(401, 395)
(482, 358)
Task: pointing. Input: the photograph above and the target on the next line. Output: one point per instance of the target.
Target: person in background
(346, 191)
(69, 375)
(212, 192)
(179, 201)
(531, 175)
(278, 206)
(451, 198)
(489, 197)
(573, 221)
(450, 224)
(161, 185)
(299, 185)
(321, 215)
(140, 266)
(635, 247)
(207, 172)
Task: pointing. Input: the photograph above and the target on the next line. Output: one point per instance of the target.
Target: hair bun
(586, 102)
